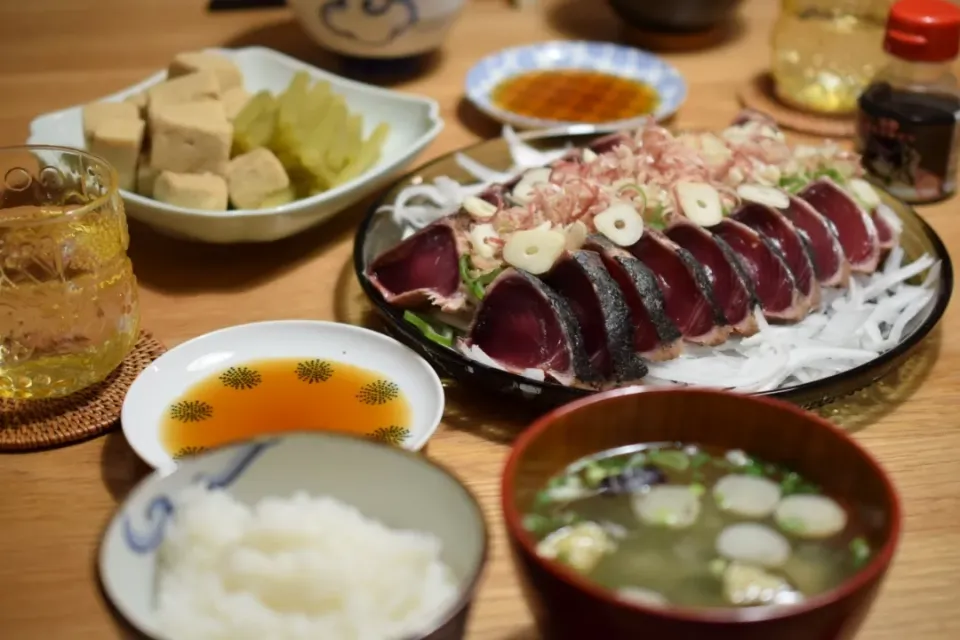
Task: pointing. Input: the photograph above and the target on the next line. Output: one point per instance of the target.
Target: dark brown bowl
(674, 15)
(569, 607)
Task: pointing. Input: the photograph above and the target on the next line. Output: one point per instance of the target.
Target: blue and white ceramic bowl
(378, 28)
(403, 490)
(605, 57)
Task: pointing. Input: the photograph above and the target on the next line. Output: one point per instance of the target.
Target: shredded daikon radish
(852, 326)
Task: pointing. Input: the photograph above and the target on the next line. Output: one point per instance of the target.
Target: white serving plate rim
(136, 432)
(433, 115)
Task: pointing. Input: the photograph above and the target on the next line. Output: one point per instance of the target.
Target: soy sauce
(907, 124)
(908, 141)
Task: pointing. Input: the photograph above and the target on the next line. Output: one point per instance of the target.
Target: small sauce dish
(269, 378)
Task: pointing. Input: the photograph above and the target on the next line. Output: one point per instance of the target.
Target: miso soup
(696, 527)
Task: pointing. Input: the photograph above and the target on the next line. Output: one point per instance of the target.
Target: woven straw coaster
(757, 93)
(39, 424)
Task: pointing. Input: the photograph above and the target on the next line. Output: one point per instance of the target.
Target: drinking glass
(69, 313)
(826, 51)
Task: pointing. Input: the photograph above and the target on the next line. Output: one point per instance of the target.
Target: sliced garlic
(865, 193)
(767, 174)
(523, 191)
(588, 155)
(714, 151)
(478, 239)
(534, 250)
(768, 196)
(479, 208)
(700, 203)
(620, 223)
(576, 235)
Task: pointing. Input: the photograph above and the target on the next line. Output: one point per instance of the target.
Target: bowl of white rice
(301, 536)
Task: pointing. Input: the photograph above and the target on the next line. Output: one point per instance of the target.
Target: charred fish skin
(706, 288)
(644, 284)
(721, 265)
(627, 365)
(652, 298)
(580, 366)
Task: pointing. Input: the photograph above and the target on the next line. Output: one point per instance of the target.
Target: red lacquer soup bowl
(568, 606)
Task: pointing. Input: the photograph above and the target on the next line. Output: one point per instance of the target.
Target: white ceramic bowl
(172, 374)
(414, 123)
(385, 29)
(400, 489)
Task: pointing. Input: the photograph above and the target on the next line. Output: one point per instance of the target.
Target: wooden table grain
(53, 505)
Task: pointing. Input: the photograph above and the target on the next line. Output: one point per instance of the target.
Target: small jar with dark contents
(908, 125)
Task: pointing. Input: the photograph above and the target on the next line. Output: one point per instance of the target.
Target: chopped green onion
(791, 525)
(831, 173)
(793, 483)
(593, 474)
(640, 192)
(637, 460)
(655, 220)
(699, 459)
(442, 336)
(475, 287)
(484, 279)
(671, 459)
(697, 489)
(860, 549)
(792, 183)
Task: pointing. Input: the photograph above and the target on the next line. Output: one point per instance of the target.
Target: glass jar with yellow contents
(69, 313)
(825, 52)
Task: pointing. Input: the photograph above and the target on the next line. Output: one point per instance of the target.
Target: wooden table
(54, 504)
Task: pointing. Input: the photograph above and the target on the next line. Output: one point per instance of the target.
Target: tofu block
(254, 177)
(139, 100)
(234, 100)
(97, 112)
(118, 142)
(190, 138)
(228, 74)
(146, 177)
(189, 88)
(191, 191)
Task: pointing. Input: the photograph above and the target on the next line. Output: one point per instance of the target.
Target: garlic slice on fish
(753, 543)
(576, 235)
(700, 203)
(620, 223)
(768, 196)
(748, 496)
(534, 250)
(673, 506)
(864, 192)
(588, 155)
(478, 240)
(523, 190)
(479, 208)
(810, 516)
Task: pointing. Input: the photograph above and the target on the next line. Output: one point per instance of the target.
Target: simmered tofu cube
(118, 142)
(254, 177)
(190, 138)
(234, 101)
(191, 191)
(97, 112)
(139, 100)
(228, 73)
(146, 176)
(189, 88)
